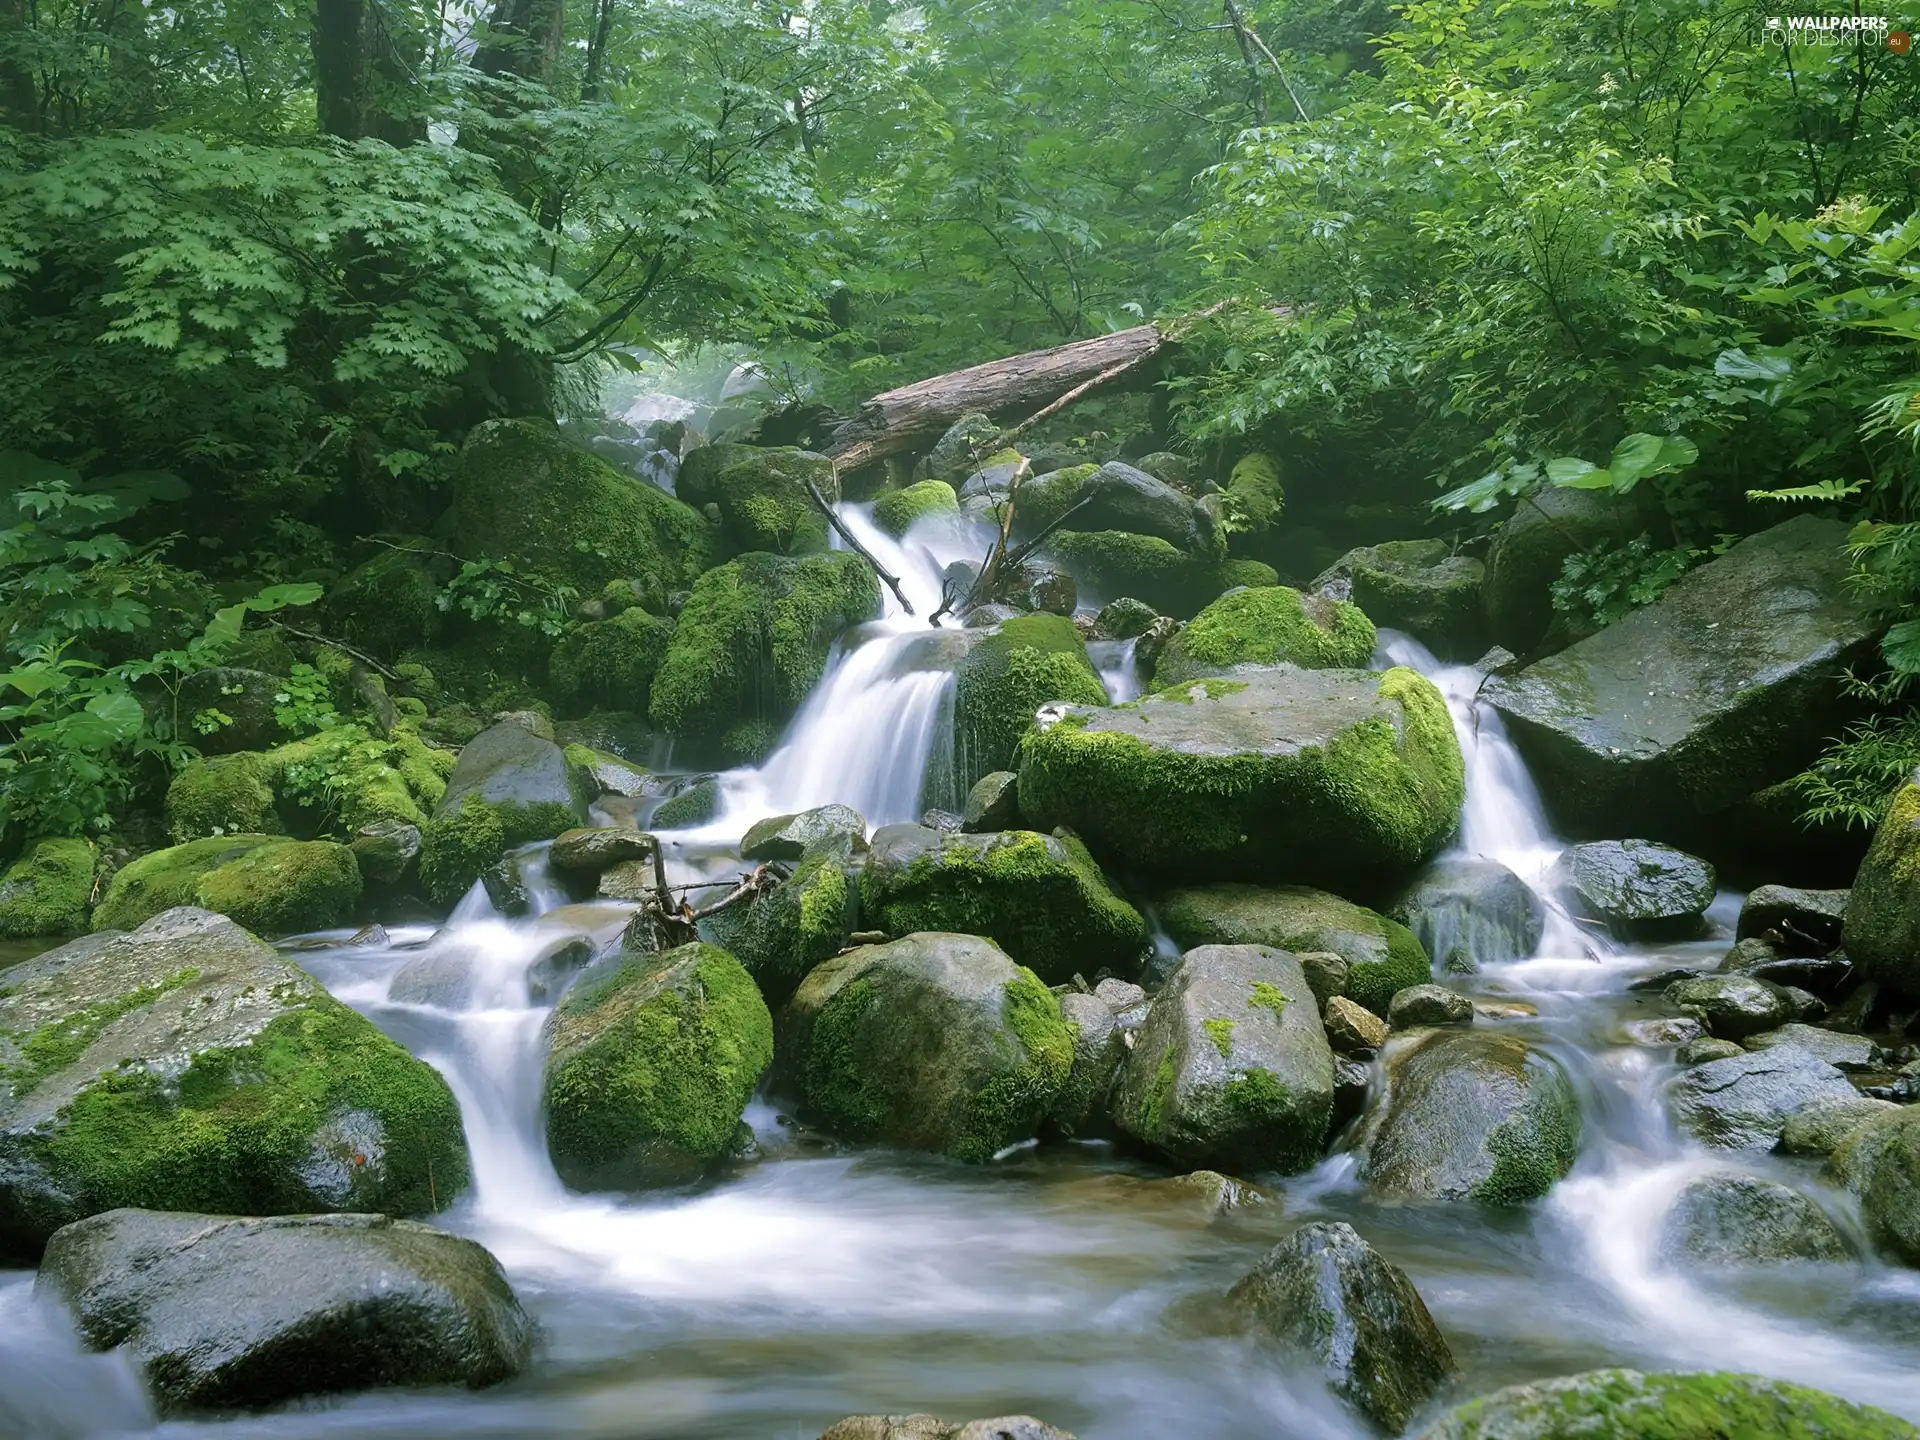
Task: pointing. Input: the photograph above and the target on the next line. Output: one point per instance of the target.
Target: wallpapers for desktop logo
(1784, 30)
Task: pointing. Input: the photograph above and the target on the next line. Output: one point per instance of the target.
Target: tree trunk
(914, 416)
(523, 39)
(19, 94)
(362, 76)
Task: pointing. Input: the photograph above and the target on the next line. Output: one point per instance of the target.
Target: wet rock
(1326, 1295)
(694, 805)
(1821, 1128)
(1743, 1102)
(787, 929)
(1124, 619)
(1256, 777)
(1730, 1006)
(592, 850)
(523, 779)
(245, 699)
(48, 890)
(946, 822)
(268, 884)
(959, 451)
(1099, 1051)
(506, 887)
(1855, 1013)
(1381, 956)
(1637, 887)
(1794, 914)
(218, 1311)
(1422, 1005)
(1729, 1220)
(124, 1054)
(1699, 1052)
(1729, 682)
(1843, 1052)
(1472, 1114)
(1469, 913)
(931, 1042)
(762, 496)
(1003, 680)
(1353, 1029)
(1119, 497)
(793, 837)
(1120, 996)
(1749, 955)
(1529, 549)
(1419, 586)
(385, 851)
(1664, 1031)
(1627, 1405)
(1040, 897)
(651, 1060)
(1352, 1080)
(993, 803)
(1048, 589)
(1879, 1162)
(1265, 625)
(1232, 1068)
(930, 1427)
(1824, 974)
(1882, 927)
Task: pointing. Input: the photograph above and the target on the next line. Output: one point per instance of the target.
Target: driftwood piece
(914, 416)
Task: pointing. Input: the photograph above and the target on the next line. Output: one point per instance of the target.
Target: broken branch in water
(865, 554)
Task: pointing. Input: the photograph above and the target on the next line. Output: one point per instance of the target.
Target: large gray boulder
(186, 1065)
(1637, 887)
(1744, 1101)
(933, 1042)
(1471, 1115)
(1731, 681)
(1232, 1069)
(1119, 497)
(1794, 914)
(1327, 1296)
(790, 926)
(1315, 776)
(524, 779)
(1468, 912)
(793, 837)
(1529, 549)
(222, 1311)
(1419, 586)
(1726, 1220)
(1879, 1161)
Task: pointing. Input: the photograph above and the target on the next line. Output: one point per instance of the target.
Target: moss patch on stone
(167, 878)
(1221, 1033)
(456, 848)
(285, 886)
(1255, 495)
(693, 806)
(846, 1095)
(899, 511)
(59, 1043)
(1267, 626)
(610, 664)
(222, 795)
(1004, 679)
(389, 603)
(1006, 1106)
(48, 889)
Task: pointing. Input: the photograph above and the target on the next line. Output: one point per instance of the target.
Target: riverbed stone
(1638, 887)
(1843, 1052)
(1418, 1006)
(1003, 680)
(523, 778)
(1420, 586)
(651, 1059)
(1120, 497)
(787, 929)
(1315, 776)
(1173, 580)
(1231, 1069)
(1732, 680)
(186, 1065)
(1471, 1115)
(1382, 956)
(1732, 1007)
(933, 1042)
(1629, 1405)
(49, 889)
(1728, 1219)
(1099, 1050)
(1820, 1128)
(1882, 927)
(1468, 913)
(1352, 1029)
(993, 803)
(591, 849)
(1039, 897)
(1816, 914)
(1879, 1162)
(1266, 625)
(1326, 1295)
(1700, 1051)
(221, 1311)
(792, 837)
(1743, 1102)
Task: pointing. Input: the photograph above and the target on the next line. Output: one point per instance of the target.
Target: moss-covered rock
(610, 664)
(523, 493)
(1039, 897)
(1255, 493)
(762, 496)
(524, 779)
(958, 453)
(695, 805)
(1111, 563)
(1727, 1220)
(284, 887)
(651, 1061)
(186, 1066)
(222, 795)
(347, 777)
(1043, 499)
(1471, 1115)
(1744, 1101)
(1117, 497)
(1231, 1069)
(48, 890)
(899, 511)
(1879, 1161)
(839, 828)
(753, 639)
(782, 933)
(1881, 931)
(1004, 678)
(1419, 586)
(388, 604)
(1326, 776)
(167, 878)
(1271, 625)
(933, 1042)
(458, 847)
(1627, 1405)
(1382, 955)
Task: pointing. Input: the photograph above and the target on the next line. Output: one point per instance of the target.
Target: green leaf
(1571, 473)
(1901, 646)
(1825, 490)
(1737, 364)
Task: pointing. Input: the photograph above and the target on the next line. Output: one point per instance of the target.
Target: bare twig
(892, 581)
(1034, 544)
(360, 655)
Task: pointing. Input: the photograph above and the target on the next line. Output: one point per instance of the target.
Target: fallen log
(916, 415)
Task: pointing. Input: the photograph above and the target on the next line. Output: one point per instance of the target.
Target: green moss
(456, 848)
(389, 603)
(1045, 498)
(610, 664)
(1220, 1031)
(900, 510)
(1153, 1114)
(1255, 1100)
(1112, 563)
(222, 795)
(763, 499)
(1006, 1108)
(346, 777)
(1270, 997)
(284, 887)
(48, 889)
(1237, 570)
(231, 1134)
(694, 806)
(654, 1061)
(749, 742)
(167, 878)
(849, 1099)
(1004, 679)
(1535, 1147)
(1434, 748)
(783, 934)
(1255, 495)
(753, 637)
(1268, 626)
(56, 1045)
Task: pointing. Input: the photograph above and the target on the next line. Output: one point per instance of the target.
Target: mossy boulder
(610, 664)
(523, 493)
(1743, 1102)
(1117, 497)
(1627, 1405)
(839, 828)
(762, 496)
(1231, 1069)
(1255, 492)
(1468, 913)
(1004, 678)
(1044, 499)
(49, 889)
(267, 883)
(651, 1061)
(1322, 776)
(524, 779)
(1419, 586)
(389, 603)
(223, 795)
(1112, 563)
(1881, 931)
(783, 932)
(898, 511)
(1471, 1115)
(1530, 549)
(1879, 1162)
(231, 708)
(751, 643)
(186, 1066)
(458, 847)
(1727, 1220)
(933, 1042)
(1269, 625)
(1732, 680)
(339, 779)
(695, 805)
(1382, 955)
(1040, 898)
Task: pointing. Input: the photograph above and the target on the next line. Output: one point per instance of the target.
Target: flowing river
(810, 1282)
